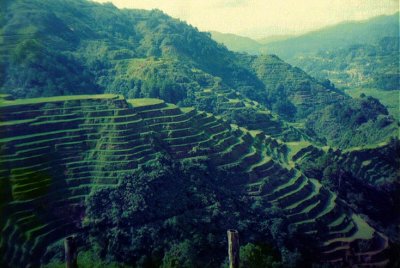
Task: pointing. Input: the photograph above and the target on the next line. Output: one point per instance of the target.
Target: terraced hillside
(57, 150)
(284, 81)
(238, 109)
(66, 47)
(367, 178)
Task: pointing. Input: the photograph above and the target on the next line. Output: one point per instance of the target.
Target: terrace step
(56, 152)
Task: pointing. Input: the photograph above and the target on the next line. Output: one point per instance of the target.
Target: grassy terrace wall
(55, 151)
(227, 102)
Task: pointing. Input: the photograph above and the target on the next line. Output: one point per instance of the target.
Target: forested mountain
(337, 36)
(358, 56)
(248, 45)
(150, 183)
(373, 65)
(325, 110)
(61, 48)
(237, 43)
(273, 38)
(340, 36)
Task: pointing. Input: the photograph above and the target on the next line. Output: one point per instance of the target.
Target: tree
(258, 256)
(182, 254)
(157, 210)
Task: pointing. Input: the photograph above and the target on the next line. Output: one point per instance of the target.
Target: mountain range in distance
(336, 36)
(246, 44)
(353, 55)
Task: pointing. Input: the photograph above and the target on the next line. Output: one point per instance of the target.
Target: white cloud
(258, 18)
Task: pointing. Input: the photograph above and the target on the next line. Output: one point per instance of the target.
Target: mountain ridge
(340, 35)
(157, 57)
(382, 26)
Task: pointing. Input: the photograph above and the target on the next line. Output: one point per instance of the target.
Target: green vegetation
(365, 177)
(294, 48)
(389, 98)
(86, 259)
(328, 113)
(341, 35)
(57, 99)
(189, 140)
(351, 123)
(147, 54)
(373, 65)
(258, 256)
(156, 185)
(237, 43)
(161, 214)
(144, 102)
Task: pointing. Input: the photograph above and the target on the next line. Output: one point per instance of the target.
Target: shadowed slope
(56, 151)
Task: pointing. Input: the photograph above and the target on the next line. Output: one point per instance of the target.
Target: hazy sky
(260, 18)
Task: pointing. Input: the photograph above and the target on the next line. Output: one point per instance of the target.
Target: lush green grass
(58, 98)
(390, 98)
(254, 132)
(289, 183)
(187, 109)
(317, 187)
(337, 221)
(144, 102)
(364, 230)
(14, 122)
(87, 259)
(365, 147)
(4, 96)
(295, 147)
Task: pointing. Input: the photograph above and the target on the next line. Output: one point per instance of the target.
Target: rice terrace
(130, 138)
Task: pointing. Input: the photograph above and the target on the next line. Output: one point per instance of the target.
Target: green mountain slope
(149, 54)
(340, 36)
(105, 38)
(389, 98)
(273, 38)
(105, 167)
(232, 141)
(337, 36)
(351, 55)
(357, 66)
(135, 53)
(341, 120)
(237, 43)
(364, 177)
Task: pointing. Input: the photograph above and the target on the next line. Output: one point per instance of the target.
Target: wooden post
(71, 254)
(233, 248)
